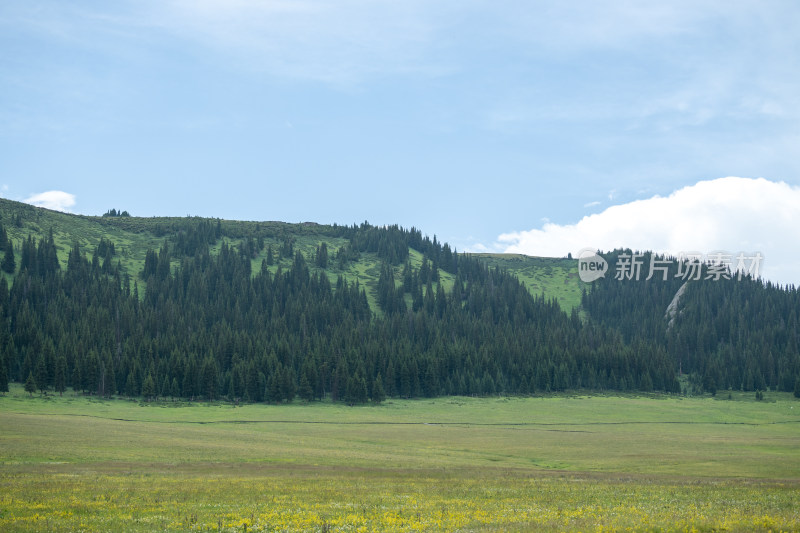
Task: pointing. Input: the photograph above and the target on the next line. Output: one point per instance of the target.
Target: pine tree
(288, 385)
(77, 379)
(305, 391)
(131, 386)
(273, 388)
(797, 387)
(148, 388)
(322, 255)
(3, 374)
(60, 380)
(356, 392)
(378, 393)
(109, 383)
(9, 264)
(209, 378)
(165, 387)
(41, 374)
(30, 384)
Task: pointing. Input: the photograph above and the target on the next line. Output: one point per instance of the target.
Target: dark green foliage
(60, 383)
(41, 374)
(304, 390)
(207, 327)
(378, 392)
(115, 213)
(287, 249)
(30, 384)
(9, 263)
(321, 256)
(390, 298)
(740, 334)
(131, 387)
(148, 388)
(3, 374)
(165, 387)
(356, 390)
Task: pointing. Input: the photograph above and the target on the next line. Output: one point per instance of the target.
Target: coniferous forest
(199, 321)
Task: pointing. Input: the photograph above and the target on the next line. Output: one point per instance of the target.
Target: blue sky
(481, 122)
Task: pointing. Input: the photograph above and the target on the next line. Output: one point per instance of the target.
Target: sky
(538, 127)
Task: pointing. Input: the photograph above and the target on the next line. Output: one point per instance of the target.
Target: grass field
(594, 463)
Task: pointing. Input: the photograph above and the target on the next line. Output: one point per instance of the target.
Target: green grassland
(134, 236)
(544, 463)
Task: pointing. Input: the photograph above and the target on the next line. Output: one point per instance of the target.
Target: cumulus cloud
(55, 200)
(727, 214)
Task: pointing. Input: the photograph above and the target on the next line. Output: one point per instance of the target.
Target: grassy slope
(133, 236)
(554, 277)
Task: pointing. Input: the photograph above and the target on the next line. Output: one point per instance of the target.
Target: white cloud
(55, 200)
(727, 214)
(592, 204)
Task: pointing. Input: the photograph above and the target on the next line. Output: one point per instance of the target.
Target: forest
(207, 325)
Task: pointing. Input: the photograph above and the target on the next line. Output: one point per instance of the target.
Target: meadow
(559, 462)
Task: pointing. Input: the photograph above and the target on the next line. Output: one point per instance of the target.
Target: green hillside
(134, 236)
(552, 277)
(268, 311)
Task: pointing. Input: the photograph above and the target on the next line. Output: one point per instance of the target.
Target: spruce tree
(305, 391)
(322, 255)
(130, 386)
(148, 388)
(41, 374)
(77, 379)
(60, 380)
(3, 375)
(288, 385)
(30, 384)
(378, 393)
(9, 264)
(165, 386)
(274, 388)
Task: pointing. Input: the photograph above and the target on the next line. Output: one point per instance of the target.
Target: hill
(267, 311)
(134, 236)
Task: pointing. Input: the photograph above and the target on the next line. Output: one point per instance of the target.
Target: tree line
(211, 328)
(206, 326)
(732, 331)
